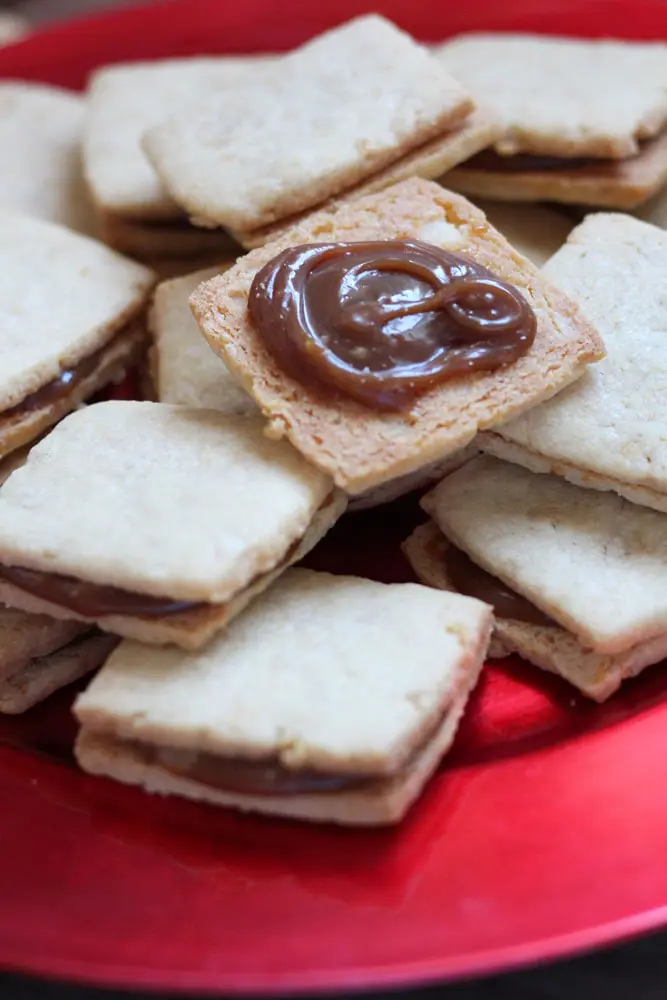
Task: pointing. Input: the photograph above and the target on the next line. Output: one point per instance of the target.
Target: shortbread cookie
(165, 240)
(39, 655)
(40, 166)
(361, 447)
(164, 521)
(592, 562)
(535, 231)
(413, 482)
(550, 647)
(351, 102)
(268, 717)
(127, 99)
(12, 28)
(184, 368)
(565, 97)
(429, 161)
(607, 431)
(620, 184)
(69, 323)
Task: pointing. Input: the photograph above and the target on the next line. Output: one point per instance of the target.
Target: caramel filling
(473, 581)
(94, 600)
(266, 776)
(65, 383)
(383, 321)
(492, 162)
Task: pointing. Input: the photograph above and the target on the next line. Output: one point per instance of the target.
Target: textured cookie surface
(126, 100)
(40, 166)
(549, 647)
(62, 296)
(361, 447)
(612, 422)
(293, 677)
(330, 114)
(158, 499)
(565, 97)
(185, 369)
(593, 562)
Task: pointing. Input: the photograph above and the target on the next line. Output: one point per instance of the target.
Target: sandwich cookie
(364, 104)
(70, 323)
(578, 578)
(40, 655)
(156, 522)
(607, 432)
(272, 716)
(136, 213)
(40, 168)
(332, 332)
(184, 369)
(583, 122)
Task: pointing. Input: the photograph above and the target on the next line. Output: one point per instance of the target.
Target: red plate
(544, 833)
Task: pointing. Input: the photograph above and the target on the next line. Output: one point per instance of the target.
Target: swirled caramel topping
(383, 321)
(473, 581)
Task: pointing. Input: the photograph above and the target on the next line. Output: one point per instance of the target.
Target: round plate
(543, 833)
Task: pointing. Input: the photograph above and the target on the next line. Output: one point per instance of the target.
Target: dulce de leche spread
(92, 600)
(473, 581)
(383, 321)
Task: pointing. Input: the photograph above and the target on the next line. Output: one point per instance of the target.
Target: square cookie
(156, 522)
(40, 166)
(331, 114)
(429, 161)
(620, 184)
(547, 646)
(565, 97)
(271, 716)
(592, 562)
(127, 99)
(361, 447)
(184, 368)
(70, 322)
(39, 655)
(608, 431)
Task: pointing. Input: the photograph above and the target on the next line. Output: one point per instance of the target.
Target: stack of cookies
(339, 325)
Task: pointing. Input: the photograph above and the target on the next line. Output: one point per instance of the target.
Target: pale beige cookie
(360, 447)
(288, 683)
(597, 675)
(593, 562)
(621, 184)
(165, 240)
(428, 161)
(40, 678)
(65, 301)
(565, 97)
(12, 28)
(330, 115)
(185, 369)
(655, 210)
(21, 426)
(533, 230)
(609, 430)
(124, 101)
(40, 166)
(415, 481)
(188, 505)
